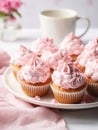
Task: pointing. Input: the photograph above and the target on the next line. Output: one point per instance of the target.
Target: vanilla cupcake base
(68, 97)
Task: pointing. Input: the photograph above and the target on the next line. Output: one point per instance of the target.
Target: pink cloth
(16, 114)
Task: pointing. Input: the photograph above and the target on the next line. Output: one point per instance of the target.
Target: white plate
(14, 87)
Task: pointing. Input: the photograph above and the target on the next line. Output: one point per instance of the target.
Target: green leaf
(2, 14)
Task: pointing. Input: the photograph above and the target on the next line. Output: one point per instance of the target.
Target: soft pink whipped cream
(67, 76)
(91, 69)
(90, 52)
(23, 56)
(72, 44)
(36, 73)
(54, 59)
(43, 44)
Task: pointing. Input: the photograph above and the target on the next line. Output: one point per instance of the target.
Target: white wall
(31, 9)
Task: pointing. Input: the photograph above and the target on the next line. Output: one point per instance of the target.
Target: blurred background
(31, 8)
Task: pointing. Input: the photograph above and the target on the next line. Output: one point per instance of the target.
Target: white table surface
(86, 119)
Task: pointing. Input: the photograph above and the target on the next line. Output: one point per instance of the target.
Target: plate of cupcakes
(63, 76)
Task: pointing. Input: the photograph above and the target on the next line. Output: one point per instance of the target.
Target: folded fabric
(16, 114)
(4, 59)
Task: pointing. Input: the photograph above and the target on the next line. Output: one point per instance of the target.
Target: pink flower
(5, 7)
(9, 7)
(15, 4)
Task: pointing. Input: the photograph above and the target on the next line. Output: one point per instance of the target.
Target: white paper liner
(68, 97)
(32, 91)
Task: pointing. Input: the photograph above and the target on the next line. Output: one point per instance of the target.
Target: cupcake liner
(92, 89)
(68, 97)
(32, 90)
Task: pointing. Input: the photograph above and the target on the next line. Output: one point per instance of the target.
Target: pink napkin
(16, 114)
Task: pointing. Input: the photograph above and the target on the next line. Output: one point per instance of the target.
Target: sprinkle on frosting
(67, 76)
(73, 44)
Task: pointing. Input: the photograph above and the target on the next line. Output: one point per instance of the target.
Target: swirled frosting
(67, 76)
(73, 44)
(36, 73)
(54, 59)
(43, 44)
(90, 52)
(91, 69)
(23, 56)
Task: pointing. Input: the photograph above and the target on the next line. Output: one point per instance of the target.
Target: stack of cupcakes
(66, 69)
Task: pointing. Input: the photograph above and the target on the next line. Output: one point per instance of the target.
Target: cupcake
(35, 79)
(53, 59)
(91, 72)
(68, 84)
(73, 45)
(21, 58)
(43, 44)
(90, 52)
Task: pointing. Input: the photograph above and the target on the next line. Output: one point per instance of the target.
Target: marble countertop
(86, 119)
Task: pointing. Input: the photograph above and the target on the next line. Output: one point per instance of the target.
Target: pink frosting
(67, 76)
(43, 44)
(54, 59)
(72, 44)
(36, 73)
(90, 52)
(91, 69)
(23, 56)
